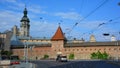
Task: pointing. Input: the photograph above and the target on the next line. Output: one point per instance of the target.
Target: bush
(93, 55)
(105, 55)
(7, 53)
(71, 56)
(99, 55)
(46, 56)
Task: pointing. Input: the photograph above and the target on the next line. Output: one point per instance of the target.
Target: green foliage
(46, 56)
(93, 55)
(7, 53)
(105, 55)
(71, 56)
(99, 55)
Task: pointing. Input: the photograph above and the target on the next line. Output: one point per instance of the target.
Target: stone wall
(79, 52)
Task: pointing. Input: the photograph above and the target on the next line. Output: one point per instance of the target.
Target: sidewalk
(24, 65)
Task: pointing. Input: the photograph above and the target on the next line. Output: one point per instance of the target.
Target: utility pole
(117, 54)
(24, 53)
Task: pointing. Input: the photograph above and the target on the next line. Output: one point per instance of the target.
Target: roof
(58, 35)
(15, 41)
(90, 44)
(36, 44)
(25, 18)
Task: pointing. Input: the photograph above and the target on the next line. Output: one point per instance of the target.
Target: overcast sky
(78, 18)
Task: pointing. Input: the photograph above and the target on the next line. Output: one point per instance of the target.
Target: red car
(14, 62)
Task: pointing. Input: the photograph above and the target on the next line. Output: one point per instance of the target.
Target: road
(75, 64)
(49, 63)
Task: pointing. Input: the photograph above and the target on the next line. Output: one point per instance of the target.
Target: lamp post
(117, 55)
(31, 51)
(26, 52)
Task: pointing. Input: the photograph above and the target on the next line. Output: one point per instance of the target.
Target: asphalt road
(49, 63)
(75, 64)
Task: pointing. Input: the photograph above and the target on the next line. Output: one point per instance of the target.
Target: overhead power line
(88, 15)
(101, 24)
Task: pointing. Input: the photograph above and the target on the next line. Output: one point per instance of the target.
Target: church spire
(25, 18)
(25, 12)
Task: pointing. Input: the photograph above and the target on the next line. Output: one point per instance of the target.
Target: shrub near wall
(99, 55)
(71, 56)
(46, 56)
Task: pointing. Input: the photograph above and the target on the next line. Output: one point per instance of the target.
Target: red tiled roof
(58, 35)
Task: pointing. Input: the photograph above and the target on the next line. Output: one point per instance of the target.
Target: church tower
(25, 25)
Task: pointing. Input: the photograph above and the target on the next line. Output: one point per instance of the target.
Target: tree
(7, 53)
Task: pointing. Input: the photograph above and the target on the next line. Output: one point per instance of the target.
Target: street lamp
(117, 54)
(31, 51)
(26, 52)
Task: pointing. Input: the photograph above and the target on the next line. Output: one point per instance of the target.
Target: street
(75, 64)
(69, 64)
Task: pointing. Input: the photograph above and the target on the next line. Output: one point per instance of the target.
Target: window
(114, 48)
(94, 49)
(104, 48)
(90, 49)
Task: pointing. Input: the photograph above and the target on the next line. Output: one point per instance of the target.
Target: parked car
(14, 60)
(4, 60)
(9, 60)
(61, 58)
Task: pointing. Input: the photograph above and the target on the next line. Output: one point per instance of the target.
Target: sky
(78, 18)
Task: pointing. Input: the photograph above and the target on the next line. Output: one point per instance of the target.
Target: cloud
(8, 19)
(18, 5)
(90, 24)
(10, 1)
(41, 29)
(36, 9)
(69, 15)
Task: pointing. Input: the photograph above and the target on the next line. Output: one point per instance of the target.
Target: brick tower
(58, 41)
